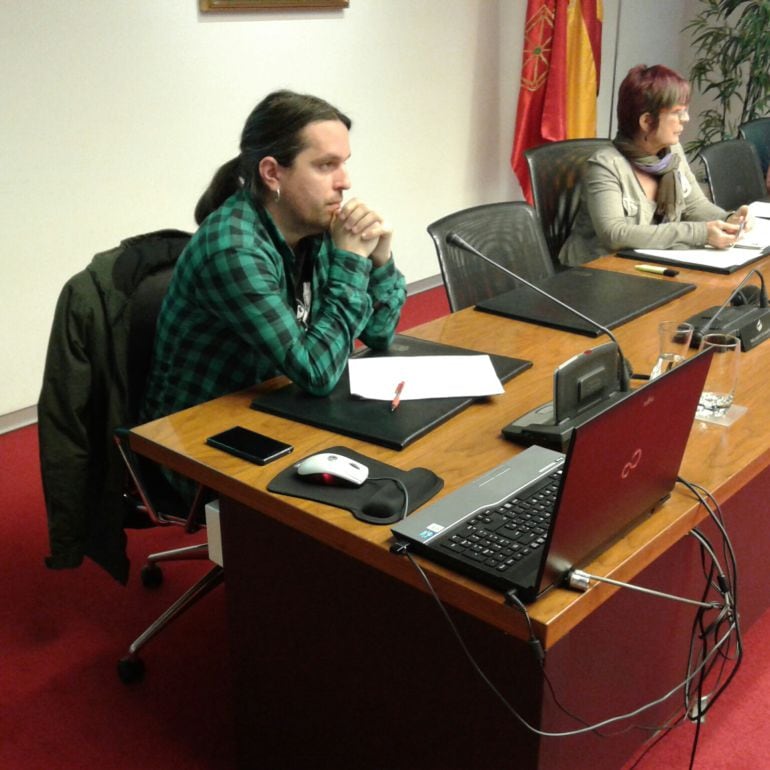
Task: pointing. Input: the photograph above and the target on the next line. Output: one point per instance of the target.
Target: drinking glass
(719, 390)
(673, 341)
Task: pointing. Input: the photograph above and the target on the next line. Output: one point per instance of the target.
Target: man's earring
(277, 195)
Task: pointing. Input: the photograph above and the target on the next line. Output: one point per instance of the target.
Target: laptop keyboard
(498, 538)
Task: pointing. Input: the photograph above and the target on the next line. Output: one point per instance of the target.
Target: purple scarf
(669, 198)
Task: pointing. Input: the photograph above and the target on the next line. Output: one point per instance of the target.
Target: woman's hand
(742, 215)
(722, 235)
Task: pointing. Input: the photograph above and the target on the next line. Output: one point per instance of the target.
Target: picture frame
(207, 6)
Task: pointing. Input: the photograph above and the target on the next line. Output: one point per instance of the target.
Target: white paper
(756, 238)
(760, 209)
(423, 377)
(748, 248)
(722, 259)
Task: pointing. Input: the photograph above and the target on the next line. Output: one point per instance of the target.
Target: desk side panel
(337, 665)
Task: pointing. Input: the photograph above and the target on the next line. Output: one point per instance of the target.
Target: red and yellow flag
(559, 77)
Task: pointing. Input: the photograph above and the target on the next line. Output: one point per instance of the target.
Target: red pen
(397, 397)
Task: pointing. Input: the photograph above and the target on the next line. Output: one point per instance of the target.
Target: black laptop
(525, 524)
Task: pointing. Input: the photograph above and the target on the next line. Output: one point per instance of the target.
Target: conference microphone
(748, 318)
(582, 385)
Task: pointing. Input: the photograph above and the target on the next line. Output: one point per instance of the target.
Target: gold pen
(669, 271)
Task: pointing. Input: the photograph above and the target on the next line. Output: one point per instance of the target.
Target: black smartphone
(250, 445)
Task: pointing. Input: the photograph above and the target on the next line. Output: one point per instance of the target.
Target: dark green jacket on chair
(84, 398)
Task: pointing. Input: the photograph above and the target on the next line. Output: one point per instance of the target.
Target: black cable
(697, 708)
(697, 712)
(537, 647)
(706, 499)
(715, 513)
(663, 731)
(461, 641)
(402, 549)
(727, 586)
(699, 630)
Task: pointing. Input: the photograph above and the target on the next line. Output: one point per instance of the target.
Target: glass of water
(673, 342)
(719, 390)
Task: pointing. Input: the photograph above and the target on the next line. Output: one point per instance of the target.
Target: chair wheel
(130, 669)
(151, 575)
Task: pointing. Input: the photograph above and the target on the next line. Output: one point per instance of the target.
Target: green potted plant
(731, 49)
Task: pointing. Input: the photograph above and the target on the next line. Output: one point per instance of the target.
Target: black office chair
(733, 173)
(149, 493)
(757, 132)
(96, 364)
(556, 172)
(509, 233)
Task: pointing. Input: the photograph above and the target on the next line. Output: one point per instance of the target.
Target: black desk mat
(372, 420)
(608, 297)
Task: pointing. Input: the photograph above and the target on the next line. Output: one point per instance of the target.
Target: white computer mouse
(331, 468)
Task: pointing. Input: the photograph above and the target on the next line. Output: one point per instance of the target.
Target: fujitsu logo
(636, 458)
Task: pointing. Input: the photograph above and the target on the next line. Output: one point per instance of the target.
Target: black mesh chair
(556, 173)
(149, 493)
(758, 133)
(509, 233)
(733, 173)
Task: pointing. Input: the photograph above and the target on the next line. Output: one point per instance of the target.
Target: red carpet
(734, 735)
(62, 634)
(63, 707)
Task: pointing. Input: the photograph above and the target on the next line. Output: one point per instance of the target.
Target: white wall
(115, 114)
(650, 32)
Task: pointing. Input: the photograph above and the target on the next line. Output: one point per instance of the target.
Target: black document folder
(372, 420)
(609, 298)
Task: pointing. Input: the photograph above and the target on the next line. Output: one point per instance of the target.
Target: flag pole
(615, 67)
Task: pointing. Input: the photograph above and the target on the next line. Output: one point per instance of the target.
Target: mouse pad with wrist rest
(372, 420)
(377, 501)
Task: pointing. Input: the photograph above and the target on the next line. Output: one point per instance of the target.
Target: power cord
(728, 616)
(537, 647)
(699, 703)
(402, 548)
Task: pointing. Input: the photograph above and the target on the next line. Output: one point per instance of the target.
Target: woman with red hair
(640, 193)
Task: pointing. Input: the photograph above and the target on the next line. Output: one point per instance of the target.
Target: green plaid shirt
(229, 319)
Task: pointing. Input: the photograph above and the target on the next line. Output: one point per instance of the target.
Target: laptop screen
(620, 465)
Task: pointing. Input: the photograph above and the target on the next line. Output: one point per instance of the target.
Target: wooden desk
(340, 662)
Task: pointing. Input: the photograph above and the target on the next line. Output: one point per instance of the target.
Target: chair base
(152, 575)
(131, 667)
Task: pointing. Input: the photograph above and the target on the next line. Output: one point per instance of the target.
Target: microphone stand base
(538, 427)
(750, 324)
